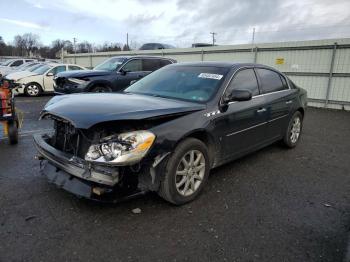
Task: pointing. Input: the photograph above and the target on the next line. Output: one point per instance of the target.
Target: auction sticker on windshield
(210, 76)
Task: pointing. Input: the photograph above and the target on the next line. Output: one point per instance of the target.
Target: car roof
(221, 64)
(143, 56)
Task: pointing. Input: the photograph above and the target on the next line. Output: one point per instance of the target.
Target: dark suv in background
(115, 74)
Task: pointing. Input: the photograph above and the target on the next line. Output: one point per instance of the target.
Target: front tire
(293, 132)
(186, 173)
(101, 89)
(13, 132)
(33, 89)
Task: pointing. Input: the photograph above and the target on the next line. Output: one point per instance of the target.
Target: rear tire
(293, 132)
(13, 133)
(186, 172)
(101, 89)
(33, 90)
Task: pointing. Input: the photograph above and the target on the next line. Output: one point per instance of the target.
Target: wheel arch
(208, 140)
(99, 83)
(302, 111)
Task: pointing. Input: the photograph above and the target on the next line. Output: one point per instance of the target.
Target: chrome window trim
(140, 58)
(246, 129)
(253, 67)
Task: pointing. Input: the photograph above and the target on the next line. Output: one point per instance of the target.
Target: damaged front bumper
(80, 177)
(74, 165)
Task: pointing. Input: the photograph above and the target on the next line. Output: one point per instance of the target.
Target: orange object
(4, 99)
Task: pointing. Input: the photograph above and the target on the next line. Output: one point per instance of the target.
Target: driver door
(242, 127)
(48, 77)
(132, 70)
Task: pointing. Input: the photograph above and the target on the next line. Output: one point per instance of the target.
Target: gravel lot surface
(273, 205)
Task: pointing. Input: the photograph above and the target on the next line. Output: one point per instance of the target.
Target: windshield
(25, 65)
(191, 83)
(42, 69)
(111, 64)
(34, 67)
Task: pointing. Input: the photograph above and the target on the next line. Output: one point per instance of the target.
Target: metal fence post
(330, 74)
(75, 59)
(255, 54)
(202, 55)
(90, 61)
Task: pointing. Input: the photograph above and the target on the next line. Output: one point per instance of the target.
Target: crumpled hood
(5, 70)
(86, 110)
(83, 73)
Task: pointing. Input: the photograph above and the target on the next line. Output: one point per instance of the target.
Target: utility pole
(75, 50)
(213, 34)
(253, 37)
(127, 41)
(74, 41)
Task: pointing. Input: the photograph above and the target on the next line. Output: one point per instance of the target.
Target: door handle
(289, 102)
(261, 110)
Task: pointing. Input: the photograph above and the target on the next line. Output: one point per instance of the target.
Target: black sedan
(165, 132)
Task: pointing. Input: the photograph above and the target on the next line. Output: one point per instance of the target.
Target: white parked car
(13, 63)
(39, 80)
(23, 67)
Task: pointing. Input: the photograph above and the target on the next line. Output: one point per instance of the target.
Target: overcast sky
(178, 22)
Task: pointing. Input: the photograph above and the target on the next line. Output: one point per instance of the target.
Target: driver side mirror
(49, 74)
(238, 95)
(123, 72)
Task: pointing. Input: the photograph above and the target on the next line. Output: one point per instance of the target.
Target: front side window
(134, 65)
(71, 67)
(190, 83)
(270, 81)
(57, 70)
(244, 80)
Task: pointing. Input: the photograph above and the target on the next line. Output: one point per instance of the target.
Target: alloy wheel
(33, 90)
(190, 172)
(295, 130)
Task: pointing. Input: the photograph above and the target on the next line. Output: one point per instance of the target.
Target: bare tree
(18, 42)
(31, 42)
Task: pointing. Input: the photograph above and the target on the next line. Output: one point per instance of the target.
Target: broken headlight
(126, 148)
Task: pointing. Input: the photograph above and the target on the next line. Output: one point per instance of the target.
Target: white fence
(322, 67)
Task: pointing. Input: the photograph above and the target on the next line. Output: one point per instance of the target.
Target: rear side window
(154, 64)
(270, 81)
(150, 64)
(246, 80)
(164, 62)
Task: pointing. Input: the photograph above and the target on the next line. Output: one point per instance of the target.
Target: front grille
(69, 139)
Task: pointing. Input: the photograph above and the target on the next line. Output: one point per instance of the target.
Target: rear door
(279, 100)
(243, 126)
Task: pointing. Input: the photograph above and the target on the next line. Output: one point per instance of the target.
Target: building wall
(307, 63)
